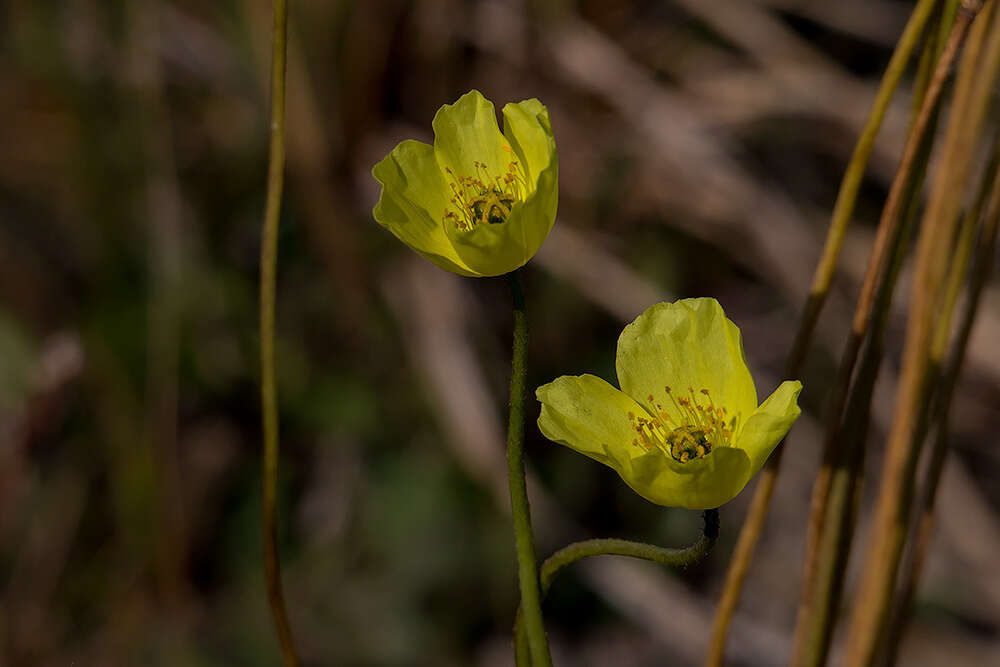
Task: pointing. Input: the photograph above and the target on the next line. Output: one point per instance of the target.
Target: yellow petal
(587, 414)
(682, 345)
(698, 484)
(412, 203)
(466, 132)
(769, 423)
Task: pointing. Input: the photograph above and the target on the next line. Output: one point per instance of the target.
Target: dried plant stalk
(822, 279)
(922, 526)
(812, 633)
(976, 77)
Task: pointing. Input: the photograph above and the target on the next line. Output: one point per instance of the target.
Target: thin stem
(843, 209)
(268, 390)
(671, 557)
(976, 79)
(523, 538)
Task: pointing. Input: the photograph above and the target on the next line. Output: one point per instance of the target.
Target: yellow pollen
(696, 425)
(484, 198)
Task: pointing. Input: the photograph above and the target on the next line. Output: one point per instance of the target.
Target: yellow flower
(685, 430)
(477, 202)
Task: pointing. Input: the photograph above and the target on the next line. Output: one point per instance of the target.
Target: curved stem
(672, 557)
(268, 391)
(523, 538)
(571, 553)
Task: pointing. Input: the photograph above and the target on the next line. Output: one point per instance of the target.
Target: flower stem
(268, 391)
(576, 551)
(523, 539)
(672, 557)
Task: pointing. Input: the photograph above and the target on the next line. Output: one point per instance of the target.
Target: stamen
(697, 425)
(484, 198)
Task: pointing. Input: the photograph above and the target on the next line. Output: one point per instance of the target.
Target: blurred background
(701, 147)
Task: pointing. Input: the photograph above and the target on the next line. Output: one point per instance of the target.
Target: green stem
(268, 390)
(576, 551)
(523, 538)
(684, 557)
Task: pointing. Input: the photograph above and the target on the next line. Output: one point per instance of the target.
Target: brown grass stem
(822, 279)
(923, 524)
(976, 77)
(810, 642)
(813, 634)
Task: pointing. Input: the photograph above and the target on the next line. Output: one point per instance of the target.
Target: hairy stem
(671, 557)
(523, 539)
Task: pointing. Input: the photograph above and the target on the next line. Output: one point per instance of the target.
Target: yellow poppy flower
(685, 429)
(478, 202)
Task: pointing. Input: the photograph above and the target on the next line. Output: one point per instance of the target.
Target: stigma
(485, 197)
(687, 428)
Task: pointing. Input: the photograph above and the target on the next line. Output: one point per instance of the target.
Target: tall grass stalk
(822, 280)
(830, 541)
(976, 78)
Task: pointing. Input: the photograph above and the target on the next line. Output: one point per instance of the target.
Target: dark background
(701, 147)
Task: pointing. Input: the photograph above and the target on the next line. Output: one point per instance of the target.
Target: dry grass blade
(976, 78)
(750, 534)
(923, 525)
(808, 648)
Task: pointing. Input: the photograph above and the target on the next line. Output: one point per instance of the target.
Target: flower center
(690, 430)
(688, 442)
(485, 198)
